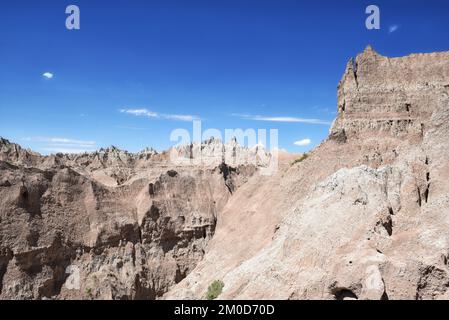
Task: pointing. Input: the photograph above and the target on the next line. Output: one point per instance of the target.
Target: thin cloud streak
(70, 145)
(67, 150)
(58, 140)
(150, 114)
(179, 117)
(140, 112)
(282, 119)
(63, 145)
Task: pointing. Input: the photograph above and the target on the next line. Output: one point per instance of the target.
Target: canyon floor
(364, 216)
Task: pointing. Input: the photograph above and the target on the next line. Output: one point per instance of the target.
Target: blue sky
(234, 64)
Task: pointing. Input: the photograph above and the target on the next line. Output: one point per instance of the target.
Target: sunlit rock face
(364, 216)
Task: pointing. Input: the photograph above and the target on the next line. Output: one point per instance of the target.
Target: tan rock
(364, 216)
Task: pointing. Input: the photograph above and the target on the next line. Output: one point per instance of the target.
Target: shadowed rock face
(364, 216)
(105, 225)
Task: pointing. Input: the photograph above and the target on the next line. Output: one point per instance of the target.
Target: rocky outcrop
(68, 232)
(213, 152)
(388, 95)
(364, 215)
(13, 153)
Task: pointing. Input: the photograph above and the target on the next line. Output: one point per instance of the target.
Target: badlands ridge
(364, 216)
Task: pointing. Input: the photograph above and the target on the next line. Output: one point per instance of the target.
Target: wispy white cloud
(48, 75)
(303, 142)
(71, 145)
(393, 28)
(67, 150)
(61, 140)
(72, 141)
(63, 145)
(282, 119)
(150, 114)
(140, 112)
(179, 117)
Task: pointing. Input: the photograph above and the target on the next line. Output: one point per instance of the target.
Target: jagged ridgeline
(111, 224)
(362, 216)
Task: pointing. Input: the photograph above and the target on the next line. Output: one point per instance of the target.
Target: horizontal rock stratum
(364, 216)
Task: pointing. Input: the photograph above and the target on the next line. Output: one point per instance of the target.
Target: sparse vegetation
(214, 290)
(89, 292)
(300, 159)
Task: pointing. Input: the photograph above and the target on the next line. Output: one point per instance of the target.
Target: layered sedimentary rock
(105, 225)
(389, 95)
(364, 216)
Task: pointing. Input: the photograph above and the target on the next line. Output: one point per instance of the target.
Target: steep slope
(365, 216)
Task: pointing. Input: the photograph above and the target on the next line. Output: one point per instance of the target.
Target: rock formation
(107, 224)
(364, 216)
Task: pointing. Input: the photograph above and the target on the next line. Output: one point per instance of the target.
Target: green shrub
(214, 290)
(301, 159)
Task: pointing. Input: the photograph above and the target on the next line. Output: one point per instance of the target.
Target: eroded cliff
(108, 224)
(364, 216)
